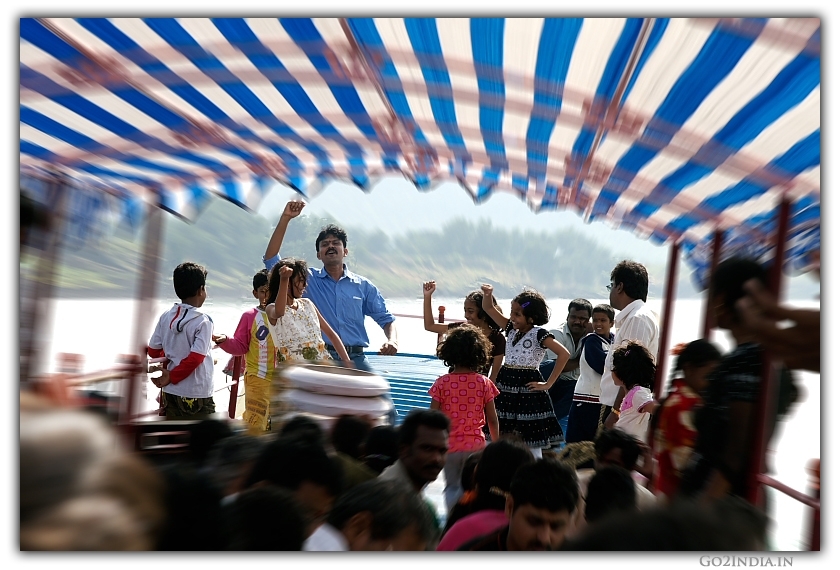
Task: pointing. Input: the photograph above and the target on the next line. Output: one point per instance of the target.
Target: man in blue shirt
(343, 297)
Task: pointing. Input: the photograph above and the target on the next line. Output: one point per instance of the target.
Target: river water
(88, 327)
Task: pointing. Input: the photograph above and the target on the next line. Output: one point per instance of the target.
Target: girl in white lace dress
(296, 324)
(523, 405)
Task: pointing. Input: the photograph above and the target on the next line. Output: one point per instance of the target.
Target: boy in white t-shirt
(184, 336)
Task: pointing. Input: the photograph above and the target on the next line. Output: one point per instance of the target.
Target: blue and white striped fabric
(673, 128)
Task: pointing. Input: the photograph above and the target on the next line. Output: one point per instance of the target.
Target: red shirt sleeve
(155, 352)
(185, 367)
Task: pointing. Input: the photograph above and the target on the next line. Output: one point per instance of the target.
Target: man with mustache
(540, 508)
(343, 298)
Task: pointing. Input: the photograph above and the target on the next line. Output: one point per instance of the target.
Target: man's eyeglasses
(609, 287)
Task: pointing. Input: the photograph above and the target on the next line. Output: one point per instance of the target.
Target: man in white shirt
(628, 293)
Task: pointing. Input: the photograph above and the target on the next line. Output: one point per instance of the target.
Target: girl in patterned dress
(523, 405)
(295, 327)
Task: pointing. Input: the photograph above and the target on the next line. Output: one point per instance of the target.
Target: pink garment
(470, 527)
(462, 397)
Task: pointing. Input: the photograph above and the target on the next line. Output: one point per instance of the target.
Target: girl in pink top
(467, 398)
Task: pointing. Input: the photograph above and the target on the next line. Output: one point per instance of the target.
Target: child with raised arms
(466, 396)
(523, 405)
(473, 315)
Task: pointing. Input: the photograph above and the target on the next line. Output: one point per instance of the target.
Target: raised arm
(429, 323)
(292, 210)
(277, 309)
(489, 308)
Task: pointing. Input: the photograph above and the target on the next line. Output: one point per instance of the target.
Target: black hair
(265, 518)
(303, 427)
(729, 524)
(392, 507)
(334, 230)
(188, 279)
(606, 309)
(545, 484)
(533, 306)
(611, 490)
(580, 305)
(299, 269)
(194, 519)
(468, 471)
(609, 439)
(477, 297)
(729, 277)
(465, 346)
(493, 474)
(697, 353)
(634, 365)
(289, 461)
(347, 434)
(260, 279)
(381, 449)
(434, 419)
(634, 276)
(204, 435)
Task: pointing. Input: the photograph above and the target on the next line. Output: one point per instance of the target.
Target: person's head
(331, 245)
(382, 515)
(628, 282)
(265, 518)
(495, 469)
(543, 497)
(297, 282)
(616, 447)
(260, 284)
(189, 280)
(423, 443)
(603, 319)
(696, 360)
(729, 524)
(474, 314)
(611, 490)
(231, 459)
(468, 471)
(348, 433)
(303, 468)
(381, 447)
(633, 365)
(727, 286)
(465, 347)
(303, 427)
(204, 435)
(528, 309)
(580, 311)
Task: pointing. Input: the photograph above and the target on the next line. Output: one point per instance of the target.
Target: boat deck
(410, 376)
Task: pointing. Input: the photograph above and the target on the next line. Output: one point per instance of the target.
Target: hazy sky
(395, 206)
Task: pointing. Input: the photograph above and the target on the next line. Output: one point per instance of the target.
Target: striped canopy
(673, 128)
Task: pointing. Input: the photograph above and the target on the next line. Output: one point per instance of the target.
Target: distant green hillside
(230, 242)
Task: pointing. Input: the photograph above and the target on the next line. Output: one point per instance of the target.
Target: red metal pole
(814, 542)
(665, 332)
(706, 327)
(441, 310)
(763, 414)
(234, 390)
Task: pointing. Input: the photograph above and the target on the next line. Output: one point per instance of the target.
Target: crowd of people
(547, 439)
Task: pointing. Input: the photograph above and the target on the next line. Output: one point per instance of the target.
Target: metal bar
(665, 333)
(814, 541)
(789, 491)
(144, 315)
(707, 325)
(234, 389)
(769, 373)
